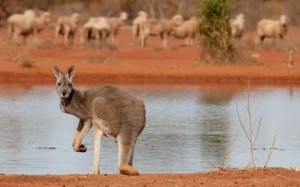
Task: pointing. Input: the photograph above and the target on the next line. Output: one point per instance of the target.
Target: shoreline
(230, 177)
(137, 79)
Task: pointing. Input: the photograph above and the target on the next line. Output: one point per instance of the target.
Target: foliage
(216, 32)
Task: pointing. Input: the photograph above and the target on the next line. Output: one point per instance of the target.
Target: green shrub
(215, 28)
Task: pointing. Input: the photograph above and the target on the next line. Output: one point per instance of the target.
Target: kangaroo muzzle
(64, 94)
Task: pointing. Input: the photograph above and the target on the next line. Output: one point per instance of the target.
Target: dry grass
(38, 43)
(26, 61)
(271, 44)
(101, 59)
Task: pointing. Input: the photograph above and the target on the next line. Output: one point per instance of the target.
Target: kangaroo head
(64, 86)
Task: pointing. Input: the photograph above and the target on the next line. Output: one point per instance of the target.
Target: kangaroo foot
(81, 148)
(95, 171)
(128, 170)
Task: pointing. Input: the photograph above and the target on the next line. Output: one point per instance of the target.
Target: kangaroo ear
(56, 71)
(71, 72)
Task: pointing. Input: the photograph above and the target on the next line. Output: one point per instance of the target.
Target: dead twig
(251, 127)
(271, 151)
(226, 154)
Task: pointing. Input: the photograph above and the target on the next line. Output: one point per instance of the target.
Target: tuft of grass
(107, 45)
(37, 43)
(26, 61)
(102, 59)
(279, 45)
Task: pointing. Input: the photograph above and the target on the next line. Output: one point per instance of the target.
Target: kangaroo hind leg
(97, 147)
(126, 147)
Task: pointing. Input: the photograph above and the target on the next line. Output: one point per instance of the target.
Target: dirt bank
(131, 64)
(251, 177)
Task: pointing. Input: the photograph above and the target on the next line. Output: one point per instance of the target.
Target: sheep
(21, 25)
(98, 29)
(67, 26)
(101, 30)
(237, 26)
(115, 25)
(187, 30)
(86, 32)
(267, 28)
(162, 28)
(42, 22)
(136, 25)
(26, 24)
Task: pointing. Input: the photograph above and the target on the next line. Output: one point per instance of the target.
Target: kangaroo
(111, 112)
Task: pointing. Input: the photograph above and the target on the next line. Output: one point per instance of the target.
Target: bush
(215, 29)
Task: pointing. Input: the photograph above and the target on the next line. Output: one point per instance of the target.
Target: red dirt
(129, 64)
(250, 177)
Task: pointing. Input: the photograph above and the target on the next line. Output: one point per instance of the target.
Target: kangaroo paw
(95, 171)
(128, 170)
(82, 148)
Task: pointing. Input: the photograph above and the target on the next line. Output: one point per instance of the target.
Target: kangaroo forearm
(82, 129)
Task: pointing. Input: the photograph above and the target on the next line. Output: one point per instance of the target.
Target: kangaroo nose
(64, 93)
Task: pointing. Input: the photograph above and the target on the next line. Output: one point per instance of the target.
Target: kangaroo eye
(69, 84)
(59, 84)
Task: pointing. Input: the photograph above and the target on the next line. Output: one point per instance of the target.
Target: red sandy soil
(130, 64)
(251, 177)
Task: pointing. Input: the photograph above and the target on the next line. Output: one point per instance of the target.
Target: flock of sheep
(266, 28)
(98, 29)
(26, 24)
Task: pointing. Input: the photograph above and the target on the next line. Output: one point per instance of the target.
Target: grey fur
(111, 111)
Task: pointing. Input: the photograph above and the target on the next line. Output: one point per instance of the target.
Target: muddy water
(188, 130)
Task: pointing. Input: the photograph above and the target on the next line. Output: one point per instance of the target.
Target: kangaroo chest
(77, 109)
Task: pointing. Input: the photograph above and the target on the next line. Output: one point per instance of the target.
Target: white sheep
(21, 25)
(136, 25)
(86, 32)
(237, 26)
(116, 24)
(101, 30)
(162, 28)
(67, 26)
(26, 24)
(267, 28)
(187, 30)
(42, 22)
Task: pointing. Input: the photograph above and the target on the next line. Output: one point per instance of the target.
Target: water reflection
(187, 127)
(214, 119)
